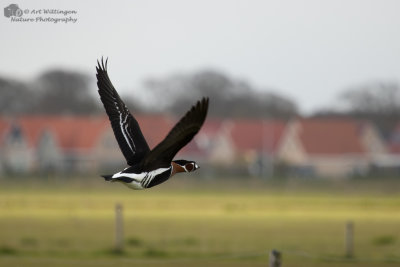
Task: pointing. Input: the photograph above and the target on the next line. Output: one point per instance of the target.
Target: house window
(16, 135)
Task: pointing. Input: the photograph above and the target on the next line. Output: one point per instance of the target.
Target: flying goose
(147, 168)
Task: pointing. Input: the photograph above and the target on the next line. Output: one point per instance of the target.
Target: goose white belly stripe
(152, 174)
(147, 180)
(144, 177)
(136, 176)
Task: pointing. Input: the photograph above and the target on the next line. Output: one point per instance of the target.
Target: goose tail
(107, 177)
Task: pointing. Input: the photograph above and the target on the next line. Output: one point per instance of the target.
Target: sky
(310, 51)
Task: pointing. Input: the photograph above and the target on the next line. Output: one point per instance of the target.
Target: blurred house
(65, 144)
(256, 144)
(240, 145)
(394, 141)
(331, 147)
(390, 163)
(56, 144)
(212, 144)
(304, 147)
(16, 152)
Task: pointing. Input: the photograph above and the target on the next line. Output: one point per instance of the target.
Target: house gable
(290, 148)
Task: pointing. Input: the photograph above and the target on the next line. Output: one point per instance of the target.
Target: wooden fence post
(349, 239)
(119, 228)
(275, 258)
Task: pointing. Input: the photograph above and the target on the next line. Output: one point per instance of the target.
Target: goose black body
(147, 168)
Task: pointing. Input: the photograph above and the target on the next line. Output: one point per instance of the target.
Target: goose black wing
(182, 133)
(126, 129)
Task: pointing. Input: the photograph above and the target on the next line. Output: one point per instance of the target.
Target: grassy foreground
(65, 224)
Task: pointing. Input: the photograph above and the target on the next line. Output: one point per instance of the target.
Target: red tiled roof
(394, 148)
(211, 126)
(331, 136)
(83, 132)
(69, 132)
(257, 134)
(4, 126)
(154, 128)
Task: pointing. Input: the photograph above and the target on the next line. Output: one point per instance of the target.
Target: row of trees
(53, 92)
(68, 92)
(230, 97)
(376, 102)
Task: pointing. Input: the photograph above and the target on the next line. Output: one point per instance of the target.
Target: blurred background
(302, 135)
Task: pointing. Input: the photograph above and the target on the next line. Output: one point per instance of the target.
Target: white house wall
(339, 166)
(290, 150)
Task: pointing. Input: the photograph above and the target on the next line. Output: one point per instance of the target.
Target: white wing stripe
(123, 132)
(126, 127)
(127, 133)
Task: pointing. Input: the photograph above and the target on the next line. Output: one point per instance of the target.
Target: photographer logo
(13, 11)
(40, 15)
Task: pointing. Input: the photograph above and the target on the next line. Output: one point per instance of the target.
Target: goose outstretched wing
(182, 133)
(126, 129)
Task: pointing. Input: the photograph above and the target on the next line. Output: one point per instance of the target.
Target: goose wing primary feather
(182, 133)
(126, 129)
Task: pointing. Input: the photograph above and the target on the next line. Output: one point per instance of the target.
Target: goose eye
(189, 167)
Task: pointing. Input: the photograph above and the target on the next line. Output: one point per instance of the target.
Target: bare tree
(377, 102)
(229, 97)
(15, 97)
(68, 92)
(377, 98)
(64, 92)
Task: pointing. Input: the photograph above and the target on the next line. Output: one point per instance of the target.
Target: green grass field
(187, 224)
